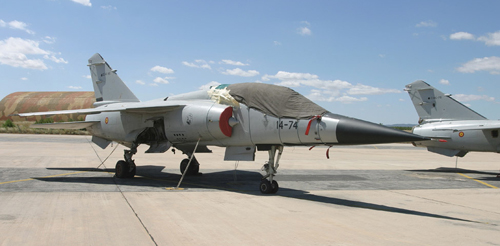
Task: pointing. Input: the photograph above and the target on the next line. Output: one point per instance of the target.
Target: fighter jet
(242, 118)
(454, 128)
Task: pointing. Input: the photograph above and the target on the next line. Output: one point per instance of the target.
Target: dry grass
(22, 127)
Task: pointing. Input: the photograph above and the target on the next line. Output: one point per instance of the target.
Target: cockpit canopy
(274, 100)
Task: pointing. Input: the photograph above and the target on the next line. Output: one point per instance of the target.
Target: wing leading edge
(139, 108)
(65, 125)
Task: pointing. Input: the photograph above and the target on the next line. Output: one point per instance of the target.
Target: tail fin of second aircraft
(108, 87)
(432, 105)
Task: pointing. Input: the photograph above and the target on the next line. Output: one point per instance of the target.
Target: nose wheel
(268, 185)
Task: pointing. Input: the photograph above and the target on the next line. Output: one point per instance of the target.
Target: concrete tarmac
(54, 191)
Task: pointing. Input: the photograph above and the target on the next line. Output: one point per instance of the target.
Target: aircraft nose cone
(353, 131)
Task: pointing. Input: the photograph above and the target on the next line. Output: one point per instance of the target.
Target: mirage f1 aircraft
(242, 118)
(454, 128)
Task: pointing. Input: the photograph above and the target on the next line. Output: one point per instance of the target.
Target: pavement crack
(135, 213)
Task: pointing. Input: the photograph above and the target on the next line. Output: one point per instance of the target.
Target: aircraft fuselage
(466, 135)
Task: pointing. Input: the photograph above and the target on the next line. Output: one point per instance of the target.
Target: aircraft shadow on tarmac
(453, 170)
(491, 176)
(233, 181)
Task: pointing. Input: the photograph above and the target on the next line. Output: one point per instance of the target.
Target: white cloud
(207, 86)
(83, 2)
(468, 98)
(401, 100)
(360, 89)
(19, 25)
(153, 84)
(13, 52)
(162, 69)
(55, 59)
(75, 87)
(49, 40)
(234, 63)
(159, 80)
(428, 23)
(318, 95)
(240, 72)
(87, 76)
(327, 90)
(304, 31)
(462, 35)
(189, 64)
(109, 7)
(348, 99)
(491, 64)
(24, 78)
(140, 82)
(444, 82)
(282, 75)
(492, 39)
(276, 43)
(198, 64)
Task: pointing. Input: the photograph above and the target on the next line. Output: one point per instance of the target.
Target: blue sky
(351, 57)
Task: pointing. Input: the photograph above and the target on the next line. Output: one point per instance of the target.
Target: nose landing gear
(268, 185)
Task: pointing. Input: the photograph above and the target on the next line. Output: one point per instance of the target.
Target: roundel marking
(461, 134)
(224, 126)
(106, 120)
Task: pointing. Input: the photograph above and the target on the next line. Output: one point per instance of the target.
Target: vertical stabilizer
(432, 105)
(108, 87)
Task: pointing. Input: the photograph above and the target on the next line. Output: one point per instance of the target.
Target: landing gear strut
(268, 185)
(126, 168)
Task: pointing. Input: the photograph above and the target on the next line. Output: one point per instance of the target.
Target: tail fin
(108, 87)
(432, 105)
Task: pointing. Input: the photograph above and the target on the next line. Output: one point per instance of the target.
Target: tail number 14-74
(286, 124)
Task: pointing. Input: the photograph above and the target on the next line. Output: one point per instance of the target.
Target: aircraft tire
(121, 169)
(265, 187)
(131, 174)
(194, 168)
(275, 187)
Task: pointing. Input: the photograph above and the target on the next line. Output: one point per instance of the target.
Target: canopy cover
(275, 100)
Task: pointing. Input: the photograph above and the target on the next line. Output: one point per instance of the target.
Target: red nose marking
(224, 126)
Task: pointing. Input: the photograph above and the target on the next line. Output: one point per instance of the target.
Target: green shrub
(8, 123)
(44, 121)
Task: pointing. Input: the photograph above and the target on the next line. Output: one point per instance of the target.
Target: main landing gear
(268, 185)
(126, 168)
(194, 167)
